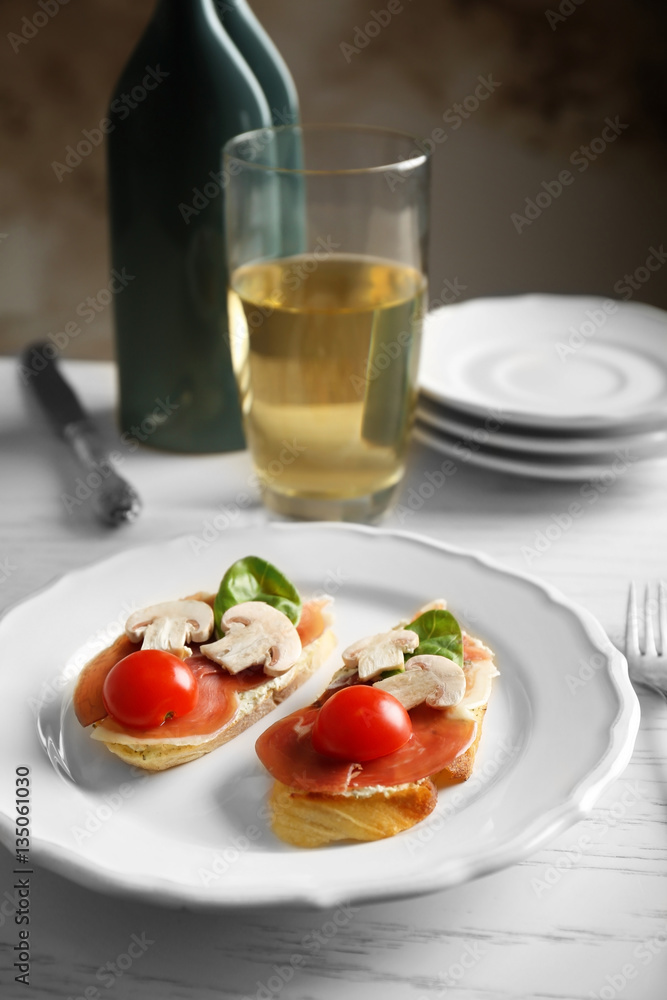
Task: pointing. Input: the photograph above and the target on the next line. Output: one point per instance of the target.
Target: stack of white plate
(553, 386)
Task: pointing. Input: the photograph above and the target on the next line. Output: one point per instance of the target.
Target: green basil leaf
(439, 635)
(254, 579)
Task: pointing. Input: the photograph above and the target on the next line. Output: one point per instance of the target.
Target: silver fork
(647, 662)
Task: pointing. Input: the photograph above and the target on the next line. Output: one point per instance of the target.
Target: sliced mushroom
(380, 652)
(479, 678)
(437, 680)
(256, 635)
(170, 625)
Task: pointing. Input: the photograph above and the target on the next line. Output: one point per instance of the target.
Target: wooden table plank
(585, 917)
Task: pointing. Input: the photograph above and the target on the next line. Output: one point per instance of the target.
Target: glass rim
(419, 158)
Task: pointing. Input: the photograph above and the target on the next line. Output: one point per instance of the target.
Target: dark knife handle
(55, 396)
(114, 500)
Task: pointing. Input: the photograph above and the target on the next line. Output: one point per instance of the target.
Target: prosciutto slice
(218, 690)
(286, 751)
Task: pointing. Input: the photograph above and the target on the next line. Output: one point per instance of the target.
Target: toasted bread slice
(462, 766)
(307, 819)
(310, 819)
(253, 705)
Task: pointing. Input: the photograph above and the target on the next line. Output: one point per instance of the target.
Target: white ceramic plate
(197, 835)
(537, 445)
(550, 361)
(515, 463)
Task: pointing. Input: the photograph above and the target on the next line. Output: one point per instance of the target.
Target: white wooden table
(585, 917)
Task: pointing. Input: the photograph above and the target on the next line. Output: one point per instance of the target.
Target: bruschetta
(189, 675)
(402, 717)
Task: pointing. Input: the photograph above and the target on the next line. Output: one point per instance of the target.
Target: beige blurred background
(559, 71)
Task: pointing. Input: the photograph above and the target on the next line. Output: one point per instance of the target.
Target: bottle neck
(189, 13)
(196, 26)
(184, 20)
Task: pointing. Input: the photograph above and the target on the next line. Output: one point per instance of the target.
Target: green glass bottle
(275, 79)
(263, 58)
(185, 91)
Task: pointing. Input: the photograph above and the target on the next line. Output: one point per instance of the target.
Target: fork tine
(662, 613)
(631, 628)
(649, 633)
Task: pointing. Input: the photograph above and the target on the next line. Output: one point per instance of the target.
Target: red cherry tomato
(360, 723)
(147, 687)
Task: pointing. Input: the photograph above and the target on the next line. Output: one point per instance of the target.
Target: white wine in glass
(325, 346)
